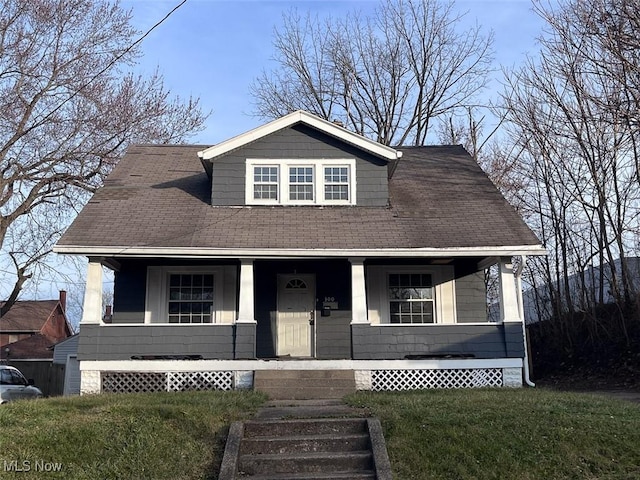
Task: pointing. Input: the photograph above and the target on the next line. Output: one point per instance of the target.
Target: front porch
(397, 324)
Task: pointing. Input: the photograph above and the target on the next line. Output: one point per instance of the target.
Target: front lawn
(142, 436)
(522, 434)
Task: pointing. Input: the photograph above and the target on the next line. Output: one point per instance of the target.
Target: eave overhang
(305, 118)
(274, 253)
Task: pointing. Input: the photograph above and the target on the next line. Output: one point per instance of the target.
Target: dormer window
(300, 182)
(265, 183)
(336, 183)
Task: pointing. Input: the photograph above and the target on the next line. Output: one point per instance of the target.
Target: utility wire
(114, 61)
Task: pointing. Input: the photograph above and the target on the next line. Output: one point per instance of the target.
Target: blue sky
(213, 49)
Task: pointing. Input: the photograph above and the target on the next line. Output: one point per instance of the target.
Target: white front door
(296, 313)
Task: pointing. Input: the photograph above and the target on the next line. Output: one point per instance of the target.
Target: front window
(190, 298)
(411, 298)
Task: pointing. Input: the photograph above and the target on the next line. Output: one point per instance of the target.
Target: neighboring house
(584, 289)
(298, 245)
(31, 327)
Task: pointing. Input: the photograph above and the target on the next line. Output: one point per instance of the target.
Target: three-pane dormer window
(301, 182)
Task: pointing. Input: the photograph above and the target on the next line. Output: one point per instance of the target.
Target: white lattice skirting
(135, 382)
(394, 380)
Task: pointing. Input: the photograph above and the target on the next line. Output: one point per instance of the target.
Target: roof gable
(28, 315)
(301, 117)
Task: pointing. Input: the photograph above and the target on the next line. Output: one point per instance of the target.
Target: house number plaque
(330, 302)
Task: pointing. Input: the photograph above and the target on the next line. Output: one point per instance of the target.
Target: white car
(13, 385)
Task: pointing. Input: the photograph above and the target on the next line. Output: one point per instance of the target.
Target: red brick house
(31, 327)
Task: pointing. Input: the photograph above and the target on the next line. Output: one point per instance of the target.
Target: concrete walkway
(284, 409)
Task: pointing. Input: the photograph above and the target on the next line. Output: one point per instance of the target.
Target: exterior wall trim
(305, 118)
(282, 253)
(247, 365)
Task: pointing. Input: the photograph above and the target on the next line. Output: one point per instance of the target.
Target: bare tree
(68, 110)
(386, 76)
(573, 116)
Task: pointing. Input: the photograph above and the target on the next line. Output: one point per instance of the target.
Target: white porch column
(509, 311)
(358, 292)
(92, 309)
(245, 310)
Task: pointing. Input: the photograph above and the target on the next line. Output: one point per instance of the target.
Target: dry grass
(522, 434)
(142, 436)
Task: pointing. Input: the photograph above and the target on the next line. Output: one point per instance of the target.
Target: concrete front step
(299, 427)
(304, 384)
(291, 448)
(324, 462)
(296, 374)
(271, 383)
(304, 393)
(279, 409)
(305, 443)
(366, 475)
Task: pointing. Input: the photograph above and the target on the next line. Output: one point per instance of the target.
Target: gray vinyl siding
(375, 342)
(65, 348)
(471, 306)
(228, 172)
(245, 341)
(333, 335)
(114, 342)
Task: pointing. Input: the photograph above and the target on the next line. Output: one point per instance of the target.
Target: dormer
(299, 160)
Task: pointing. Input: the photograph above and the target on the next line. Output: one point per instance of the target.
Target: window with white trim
(336, 183)
(265, 182)
(190, 298)
(410, 294)
(301, 187)
(188, 294)
(411, 298)
(300, 182)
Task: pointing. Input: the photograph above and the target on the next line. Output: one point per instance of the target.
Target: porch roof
(157, 201)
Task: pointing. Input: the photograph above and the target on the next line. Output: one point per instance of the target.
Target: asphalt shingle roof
(27, 316)
(158, 196)
(36, 346)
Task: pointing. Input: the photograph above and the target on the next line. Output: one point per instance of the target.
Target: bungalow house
(298, 245)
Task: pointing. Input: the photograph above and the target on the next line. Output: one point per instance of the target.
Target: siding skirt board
(377, 375)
